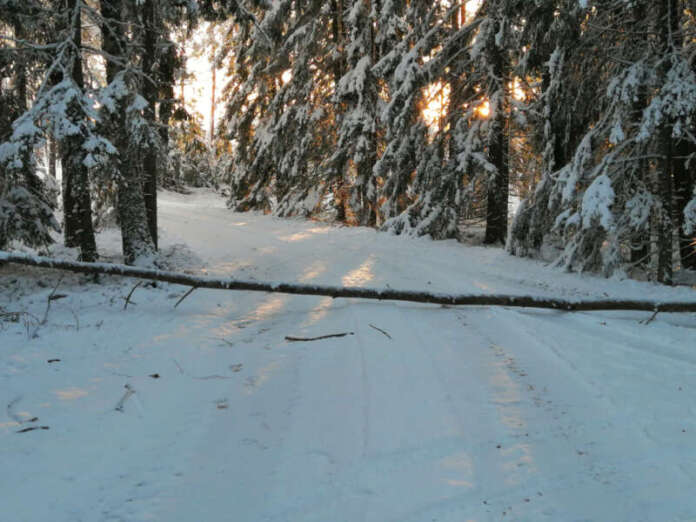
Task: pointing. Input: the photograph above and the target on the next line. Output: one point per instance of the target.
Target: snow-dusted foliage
(60, 110)
(105, 135)
(419, 197)
(292, 134)
(25, 214)
(618, 167)
(358, 101)
(335, 94)
(254, 86)
(414, 116)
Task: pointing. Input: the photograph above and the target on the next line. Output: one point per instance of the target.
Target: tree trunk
(363, 198)
(640, 242)
(52, 157)
(666, 18)
(337, 34)
(663, 188)
(684, 179)
(77, 202)
(135, 233)
(31, 180)
(167, 66)
(150, 37)
(212, 104)
(497, 207)
(387, 294)
(684, 171)
(70, 222)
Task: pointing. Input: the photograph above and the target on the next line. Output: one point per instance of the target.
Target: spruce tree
(127, 128)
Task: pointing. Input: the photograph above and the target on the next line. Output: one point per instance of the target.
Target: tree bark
(150, 38)
(136, 238)
(640, 242)
(338, 36)
(213, 101)
(666, 17)
(363, 198)
(665, 228)
(684, 168)
(497, 207)
(52, 157)
(77, 201)
(684, 180)
(388, 294)
(32, 181)
(166, 80)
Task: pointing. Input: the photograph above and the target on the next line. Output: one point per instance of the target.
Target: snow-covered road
(422, 413)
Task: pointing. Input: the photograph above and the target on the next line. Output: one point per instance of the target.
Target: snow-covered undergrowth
(206, 412)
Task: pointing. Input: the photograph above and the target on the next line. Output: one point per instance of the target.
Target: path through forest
(421, 413)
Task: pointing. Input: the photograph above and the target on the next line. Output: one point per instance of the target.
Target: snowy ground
(425, 413)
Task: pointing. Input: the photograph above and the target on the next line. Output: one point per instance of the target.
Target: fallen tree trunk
(386, 294)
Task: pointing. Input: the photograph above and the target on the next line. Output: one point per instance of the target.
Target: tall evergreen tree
(357, 95)
(127, 129)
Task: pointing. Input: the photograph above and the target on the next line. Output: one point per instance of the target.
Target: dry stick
(380, 330)
(181, 370)
(298, 339)
(33, 428)
(185, 295)
(125, 305)
(10, 410)
(51, 297)
(222, 339)
(203, 378)
(651, 319)
(77, 319)
(387, 294)
(129, 391)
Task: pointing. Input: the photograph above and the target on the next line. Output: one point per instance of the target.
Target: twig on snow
(188, 293)
(203, 378)
(210, 377)
(129, 391)
(14, 416)
(77, 319)
(300, 339)
(651, 318)
(10, 413)
(181, 370)
(52, 297)
(32, 428)
(380, 330)
(222, 340)
(125, 305)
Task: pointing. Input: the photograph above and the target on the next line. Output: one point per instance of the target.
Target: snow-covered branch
(385, 294)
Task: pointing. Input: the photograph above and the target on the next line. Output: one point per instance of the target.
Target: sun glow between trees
(437, 98)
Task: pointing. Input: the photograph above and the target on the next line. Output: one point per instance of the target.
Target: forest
(564, 127)
(347, 260)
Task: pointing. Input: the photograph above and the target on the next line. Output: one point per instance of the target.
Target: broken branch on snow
(188, 293)
(130, 294)
(380, 330)
(387, 294)
(299, 339)
(203, 378)
(129, 391)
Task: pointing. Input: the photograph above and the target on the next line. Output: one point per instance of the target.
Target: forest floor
(205, 412)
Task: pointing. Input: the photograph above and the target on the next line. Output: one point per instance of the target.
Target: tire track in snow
(614, 455)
